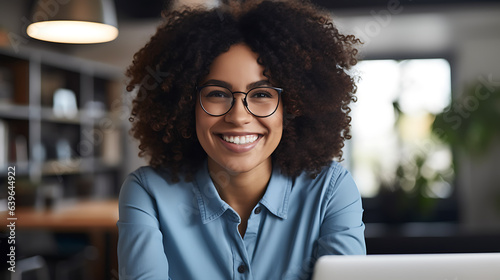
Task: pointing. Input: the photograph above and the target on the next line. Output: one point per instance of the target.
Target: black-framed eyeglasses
(260, 101)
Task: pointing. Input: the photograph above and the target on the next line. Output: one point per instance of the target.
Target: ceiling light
(74, 21)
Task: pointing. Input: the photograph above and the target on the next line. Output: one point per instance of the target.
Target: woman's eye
(261, 94)
(217, 93)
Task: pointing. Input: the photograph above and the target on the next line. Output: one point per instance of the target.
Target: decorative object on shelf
(65, 104)
(50, 195)
(26, 191)
(21, 144)
(74, 22)
(95, 109)
(63, 149)
(39, 152)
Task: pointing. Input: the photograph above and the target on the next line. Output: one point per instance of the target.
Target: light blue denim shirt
(186, 231)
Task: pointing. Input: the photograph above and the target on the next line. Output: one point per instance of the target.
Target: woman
(241, 110)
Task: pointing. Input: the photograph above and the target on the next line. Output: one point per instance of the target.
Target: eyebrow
(229, 86)
(218, 83)
(259, 84)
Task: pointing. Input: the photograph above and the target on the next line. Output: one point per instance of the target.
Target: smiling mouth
(240, 140)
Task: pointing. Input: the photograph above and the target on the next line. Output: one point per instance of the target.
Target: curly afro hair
(301, 51)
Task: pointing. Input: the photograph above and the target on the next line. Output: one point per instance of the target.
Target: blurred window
(392, 145)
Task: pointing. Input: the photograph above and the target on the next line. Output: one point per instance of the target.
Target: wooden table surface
(73, 216)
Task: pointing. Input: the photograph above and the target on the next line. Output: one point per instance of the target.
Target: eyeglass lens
(217, 101)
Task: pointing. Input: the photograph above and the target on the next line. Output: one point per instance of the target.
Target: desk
(79, 215)
(95, 218)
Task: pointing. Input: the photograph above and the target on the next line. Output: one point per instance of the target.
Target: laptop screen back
(477, 266)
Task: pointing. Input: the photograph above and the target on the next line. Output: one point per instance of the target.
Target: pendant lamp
(74, 21)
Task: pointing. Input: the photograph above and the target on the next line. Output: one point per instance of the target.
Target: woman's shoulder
(333, 171)
(335, 168)
(152, 179)
(147, 172)
(329, 180)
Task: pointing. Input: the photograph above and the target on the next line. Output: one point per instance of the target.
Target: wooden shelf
(13, 111)
(89, 136)
(63, 167)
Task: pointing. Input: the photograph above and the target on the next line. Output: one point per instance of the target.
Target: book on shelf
(4, 143)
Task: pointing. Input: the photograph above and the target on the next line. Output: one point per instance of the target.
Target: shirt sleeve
(342, 229)
(140, 242)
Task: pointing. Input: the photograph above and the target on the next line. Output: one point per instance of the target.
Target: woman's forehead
(237, 68)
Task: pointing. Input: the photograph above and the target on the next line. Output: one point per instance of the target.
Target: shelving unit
(78, 152)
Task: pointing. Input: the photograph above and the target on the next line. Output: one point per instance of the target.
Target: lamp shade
(74, 21)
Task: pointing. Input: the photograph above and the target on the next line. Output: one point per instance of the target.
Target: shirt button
(242, 268)
(257, 210)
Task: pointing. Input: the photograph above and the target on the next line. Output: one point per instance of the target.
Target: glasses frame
(245, 103)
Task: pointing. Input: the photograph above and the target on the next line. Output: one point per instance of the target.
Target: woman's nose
(239, 113)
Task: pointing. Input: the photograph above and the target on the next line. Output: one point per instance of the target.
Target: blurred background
(425, 147)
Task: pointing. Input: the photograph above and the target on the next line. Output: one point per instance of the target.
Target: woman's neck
(242, 191)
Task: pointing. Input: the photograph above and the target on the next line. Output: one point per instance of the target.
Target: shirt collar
(209, 202)
(277, 194)
(211, 206)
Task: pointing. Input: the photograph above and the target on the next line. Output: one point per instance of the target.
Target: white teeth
(240, 140)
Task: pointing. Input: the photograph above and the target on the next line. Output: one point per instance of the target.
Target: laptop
(470, 266)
